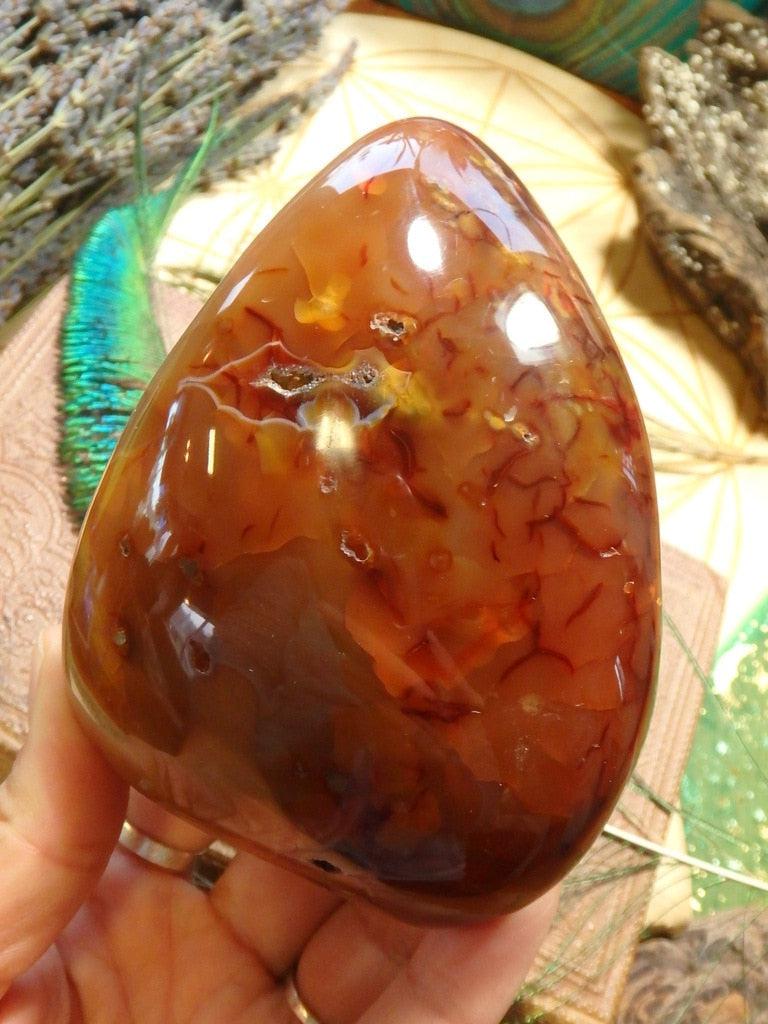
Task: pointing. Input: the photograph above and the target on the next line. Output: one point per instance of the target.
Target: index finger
(384, 970)
(468, 975)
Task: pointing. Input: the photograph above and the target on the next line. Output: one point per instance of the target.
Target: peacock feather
(110, 342)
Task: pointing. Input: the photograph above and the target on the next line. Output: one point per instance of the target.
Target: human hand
(92, 934)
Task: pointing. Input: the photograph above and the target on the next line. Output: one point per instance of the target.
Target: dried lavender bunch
(71, 74)
(703, 184)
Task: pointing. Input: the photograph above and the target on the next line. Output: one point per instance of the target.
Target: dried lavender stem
(9, 40)
(14, 156)
(30, 192)
(55, 228)
(15, 98)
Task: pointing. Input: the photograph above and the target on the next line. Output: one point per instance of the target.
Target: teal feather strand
(110, 343)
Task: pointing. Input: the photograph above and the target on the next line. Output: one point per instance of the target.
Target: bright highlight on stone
(370, 586)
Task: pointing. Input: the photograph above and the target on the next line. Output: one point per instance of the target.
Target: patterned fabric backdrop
(597, 39)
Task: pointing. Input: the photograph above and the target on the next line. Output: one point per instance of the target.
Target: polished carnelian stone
(370, 586)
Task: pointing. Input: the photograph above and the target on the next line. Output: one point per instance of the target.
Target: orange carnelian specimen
(370, 586)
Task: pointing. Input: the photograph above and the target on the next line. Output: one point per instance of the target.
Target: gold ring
(296, 1003)
(153, 852)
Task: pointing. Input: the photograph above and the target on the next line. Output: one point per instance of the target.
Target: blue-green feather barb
(110, 346)
(110, 343)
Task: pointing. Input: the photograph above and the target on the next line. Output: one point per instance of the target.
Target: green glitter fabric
(596, 39)
(725, 787)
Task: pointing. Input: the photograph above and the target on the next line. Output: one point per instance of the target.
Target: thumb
(61, 810)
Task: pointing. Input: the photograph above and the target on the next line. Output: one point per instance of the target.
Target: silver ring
(154, 852)
(295, 1002)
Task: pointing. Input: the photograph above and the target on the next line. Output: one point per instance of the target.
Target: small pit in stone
(290, 380)
(325, 865)
(121, 639)
(393, 326)
(356, 548)
(362, 376)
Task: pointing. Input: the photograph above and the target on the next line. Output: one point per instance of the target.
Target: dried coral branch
(69, 74)
(703, 184)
